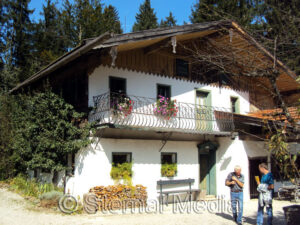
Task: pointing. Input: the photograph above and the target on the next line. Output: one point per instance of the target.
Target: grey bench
(189, 191)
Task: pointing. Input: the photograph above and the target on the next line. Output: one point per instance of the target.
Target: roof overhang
(149, 37)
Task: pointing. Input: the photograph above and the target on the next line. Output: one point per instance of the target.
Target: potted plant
(121, 105)
(122, 172)
(165, 108)
(169, 169)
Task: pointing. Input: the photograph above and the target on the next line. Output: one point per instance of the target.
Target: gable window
(117, 85)
(163, 90)
(182, 68)
(234, 104)
(121, 157)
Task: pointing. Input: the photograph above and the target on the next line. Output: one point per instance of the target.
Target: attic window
(182, 68)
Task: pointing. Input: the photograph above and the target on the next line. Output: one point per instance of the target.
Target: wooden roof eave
(63, 60)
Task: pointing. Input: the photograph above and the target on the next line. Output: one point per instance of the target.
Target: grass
(31, 188)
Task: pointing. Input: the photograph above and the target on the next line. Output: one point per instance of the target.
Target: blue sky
(127, 9)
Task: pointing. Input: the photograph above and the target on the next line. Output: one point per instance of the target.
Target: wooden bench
(189, 191)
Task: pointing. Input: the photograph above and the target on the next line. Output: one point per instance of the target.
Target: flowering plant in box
(122, 105)
(165, 107)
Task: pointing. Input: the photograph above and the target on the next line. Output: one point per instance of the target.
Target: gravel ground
(15, 210)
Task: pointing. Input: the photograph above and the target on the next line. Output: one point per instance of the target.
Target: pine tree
(20, 35)
(241, 11)
(282, 23)
(68, 24)
(49, 41)
(146, 18)
(111, 20)
(88, 19)
(170, 21)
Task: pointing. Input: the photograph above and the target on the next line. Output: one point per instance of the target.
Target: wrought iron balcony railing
(146, 113)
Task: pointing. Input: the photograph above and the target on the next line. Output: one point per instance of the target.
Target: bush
(51, 195)
(168, 170)
(31, 188)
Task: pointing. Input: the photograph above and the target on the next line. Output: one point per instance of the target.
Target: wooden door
(208, 172)
(203, 111)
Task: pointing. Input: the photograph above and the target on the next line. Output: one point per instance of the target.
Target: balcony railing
(122, 110)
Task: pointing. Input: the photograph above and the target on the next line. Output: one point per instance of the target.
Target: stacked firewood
(120, 196)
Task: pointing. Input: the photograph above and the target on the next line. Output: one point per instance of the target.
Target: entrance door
(208, 172)
(203, 111)
(254, 171)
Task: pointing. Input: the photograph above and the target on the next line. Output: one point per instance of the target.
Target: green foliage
(286, 162)
(38, 131)
(122, 172)
(170, 21)
(146, 18)
(31, 188)
(111, 21)
(51, 195)
(168, 169)
(242, 11)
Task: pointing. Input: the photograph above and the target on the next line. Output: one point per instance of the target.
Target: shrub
(51, 195)
(31, 188)
(168, 170)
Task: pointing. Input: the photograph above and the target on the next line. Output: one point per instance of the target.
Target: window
(182, 68)
(163, 90)
(117, 85)
(168, 164)
(234, 104)
(121, 157)
(168, 157)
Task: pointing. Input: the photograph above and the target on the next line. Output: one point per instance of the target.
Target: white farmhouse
(170, 96)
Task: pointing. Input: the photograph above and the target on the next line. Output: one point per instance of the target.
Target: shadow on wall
(83, 153)
(224, 145)
(255, 148)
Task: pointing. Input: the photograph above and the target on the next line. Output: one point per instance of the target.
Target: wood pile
(120, 196)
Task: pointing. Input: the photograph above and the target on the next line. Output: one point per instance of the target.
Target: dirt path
(15, 210)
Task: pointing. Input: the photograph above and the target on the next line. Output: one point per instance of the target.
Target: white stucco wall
(145, 85)
(93, 164)
(232, 153)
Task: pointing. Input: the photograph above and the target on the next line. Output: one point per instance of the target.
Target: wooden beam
(157, 46)
(291, 92)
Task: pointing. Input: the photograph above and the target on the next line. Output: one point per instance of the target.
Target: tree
(111, 20)
(169, 21)
(38, 131)
(282, 23)
(146, 18)
(241, 11)
(49, 36)
(20, 35)
(88, 19)
(68, 24)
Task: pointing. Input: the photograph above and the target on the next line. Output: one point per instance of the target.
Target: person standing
(268, 180)
(235, 180)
